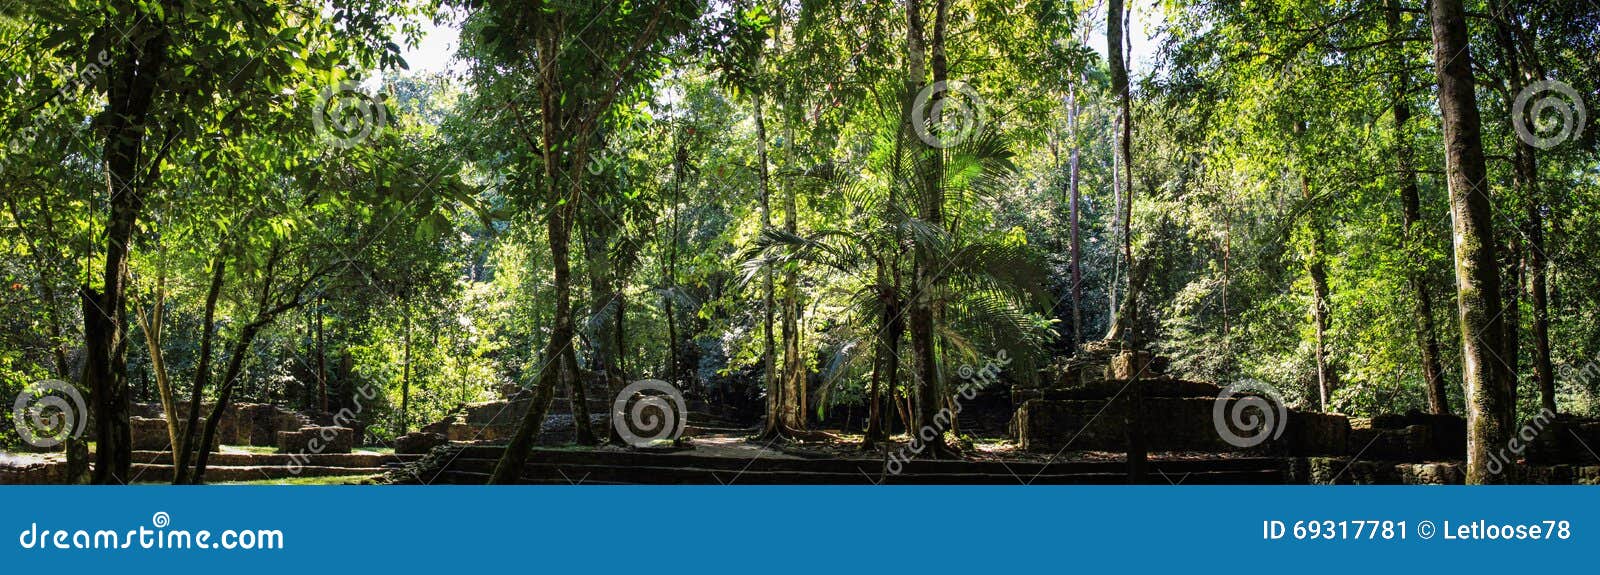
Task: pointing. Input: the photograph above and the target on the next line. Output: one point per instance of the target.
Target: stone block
(149, 434)
(1563, 440)
(1311, 433)
(1130, 364)
(1169, 424)
(1348, 471)
(316, 439)
(1412, 443)
(417, 443)
(1446, 434)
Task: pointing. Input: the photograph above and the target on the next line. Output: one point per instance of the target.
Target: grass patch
(331, 480)
(256, 449)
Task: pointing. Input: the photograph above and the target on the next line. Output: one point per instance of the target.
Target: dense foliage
(742, 197)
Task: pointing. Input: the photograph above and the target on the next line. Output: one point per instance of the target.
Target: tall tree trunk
(1538, 272)
(322, 360)
(1317, 271)
(266, 312)
(621, 366)
(769, 345)
(794, 370)
(1125, 324)
(564, 146)
(1227, 280)
(405, 379)
(229, 376)
(77, 451)
(1510, 353)
(560, 180)
(925, 297)
(672, 339)
(1477, 271)
(509, 469)
(886, 361)
(605, 306)
(1115, 229)
(1319, 314)
(1411, 236)
(132, 87)
(1522, 66)
(583, 428)
(897, 332)
(1073, 201)
(880, 359)
(202, 372)
(669, 268)
(151, 326)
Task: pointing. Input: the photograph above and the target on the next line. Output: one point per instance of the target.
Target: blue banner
(739, 529)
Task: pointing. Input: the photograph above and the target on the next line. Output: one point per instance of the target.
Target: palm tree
(987, 284)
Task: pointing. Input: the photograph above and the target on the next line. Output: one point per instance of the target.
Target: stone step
(1171, 424)
(358, 459)
(473, 464)
(557, 428)
(477, 472)
(464, 478)
(697, 430)
(1347, 471)
(774, 461)
(215, 474)
(1103, 389)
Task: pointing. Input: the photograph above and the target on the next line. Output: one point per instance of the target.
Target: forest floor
(28, 459)
(704, 458)
(333, 480)
(992, 449)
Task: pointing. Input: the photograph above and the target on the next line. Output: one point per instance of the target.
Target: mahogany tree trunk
(793, 407)
(229, 376)
(202, 373)
(1073, 202)
(1522, 66)
(509, 469)
(605, 306)
(1124, 325)
(132, 88)
(405, 378)
(1411, 236)
(769, 345)
(559, 183)
(1317, 271)
(1486, 380)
